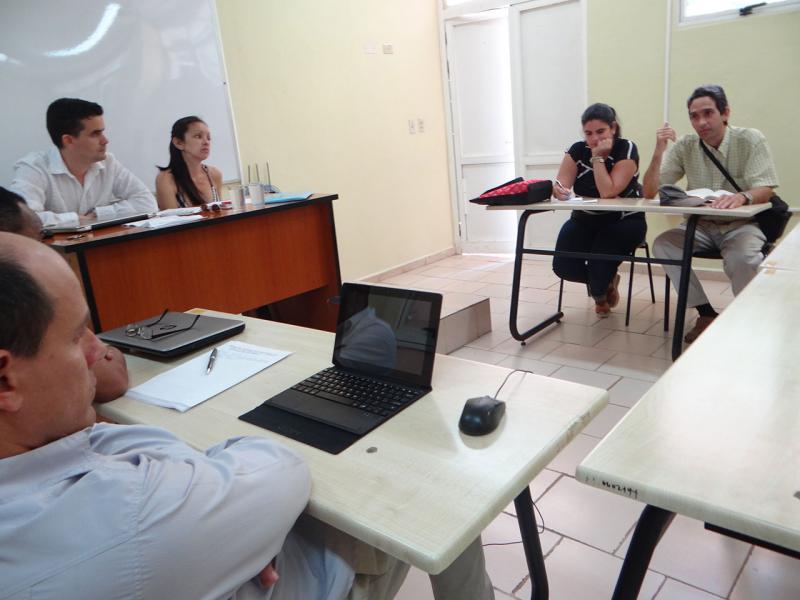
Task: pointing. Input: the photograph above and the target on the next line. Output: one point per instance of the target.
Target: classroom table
(716, 438)
(786, 254)
(282, 255)
(693, 214)
(415, 487)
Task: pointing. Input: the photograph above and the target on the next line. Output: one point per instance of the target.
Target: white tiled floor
(587, 530)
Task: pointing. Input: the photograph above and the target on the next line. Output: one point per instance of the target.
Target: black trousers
(607, 233)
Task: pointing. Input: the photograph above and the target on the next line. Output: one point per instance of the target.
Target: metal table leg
(651, 526)
(685, 263)
(512, 318)
(683, 286)
(531, 544)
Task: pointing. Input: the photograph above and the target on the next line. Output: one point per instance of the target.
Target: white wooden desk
(617, 205)
(426, 491)
(786, 254)
(717, 438)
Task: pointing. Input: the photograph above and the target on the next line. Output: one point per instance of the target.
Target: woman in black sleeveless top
(603, 165)
(186, 181)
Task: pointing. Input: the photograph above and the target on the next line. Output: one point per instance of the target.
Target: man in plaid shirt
(746, 156)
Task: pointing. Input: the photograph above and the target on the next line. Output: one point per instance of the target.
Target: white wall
(147, 62)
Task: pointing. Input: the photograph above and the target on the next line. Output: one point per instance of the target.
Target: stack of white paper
(179, 212)
(157, 222)
(188, 385)
(577, 200)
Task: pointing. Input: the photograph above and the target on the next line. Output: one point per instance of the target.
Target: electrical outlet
(420, 125)
(388, 49)
(411, 127)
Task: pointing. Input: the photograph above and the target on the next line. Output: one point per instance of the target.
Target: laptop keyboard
(378, 397)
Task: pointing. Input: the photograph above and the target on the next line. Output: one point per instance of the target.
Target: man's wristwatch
(748, 198)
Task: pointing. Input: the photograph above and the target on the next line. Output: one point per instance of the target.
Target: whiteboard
(146, 62)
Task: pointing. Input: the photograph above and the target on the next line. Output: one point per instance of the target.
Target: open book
(707, 194)
(672, 195)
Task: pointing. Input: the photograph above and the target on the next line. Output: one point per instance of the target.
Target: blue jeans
(606, 233)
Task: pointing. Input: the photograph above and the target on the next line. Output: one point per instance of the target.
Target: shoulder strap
(214, 193)
(720, 167)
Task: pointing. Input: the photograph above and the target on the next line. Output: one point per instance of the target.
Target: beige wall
(331, 118)
(756, 59)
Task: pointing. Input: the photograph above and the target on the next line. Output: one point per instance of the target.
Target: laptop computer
(172, 333)
(97, 224)
(383, 361)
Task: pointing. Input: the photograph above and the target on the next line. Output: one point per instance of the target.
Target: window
(697, 9)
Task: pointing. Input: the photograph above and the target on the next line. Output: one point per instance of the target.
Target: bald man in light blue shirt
(113, 511)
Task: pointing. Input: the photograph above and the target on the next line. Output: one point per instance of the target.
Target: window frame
(732, 14)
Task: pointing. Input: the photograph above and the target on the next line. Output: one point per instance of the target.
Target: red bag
(517, 192)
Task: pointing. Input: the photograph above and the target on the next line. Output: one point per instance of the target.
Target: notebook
(98, 224)
(383, 358)
(286, 197)
(171, 333)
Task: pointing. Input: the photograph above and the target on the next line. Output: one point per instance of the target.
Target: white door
(548, 75)
(480, 94)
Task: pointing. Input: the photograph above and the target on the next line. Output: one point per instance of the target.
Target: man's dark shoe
(699, 327)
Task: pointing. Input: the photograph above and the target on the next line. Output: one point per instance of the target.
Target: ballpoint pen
(211, 360)
(566, 189)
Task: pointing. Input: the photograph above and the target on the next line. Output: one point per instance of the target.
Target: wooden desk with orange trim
(280, 255)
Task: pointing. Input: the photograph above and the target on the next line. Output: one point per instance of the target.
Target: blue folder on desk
(286, 197)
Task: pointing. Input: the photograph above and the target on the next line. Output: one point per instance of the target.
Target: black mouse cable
(506, 379)
(539, 529)
(536, 508)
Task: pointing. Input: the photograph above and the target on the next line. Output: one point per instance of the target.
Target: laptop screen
(98, 223)
(388, 332)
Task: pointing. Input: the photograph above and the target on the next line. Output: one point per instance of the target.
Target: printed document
(188, 385)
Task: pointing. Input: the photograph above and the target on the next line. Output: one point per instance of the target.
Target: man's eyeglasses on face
(156, 329)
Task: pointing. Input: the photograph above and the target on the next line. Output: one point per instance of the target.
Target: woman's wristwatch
(595, 159)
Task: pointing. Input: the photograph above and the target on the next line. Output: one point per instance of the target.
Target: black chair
(630, 280)
(646, 248)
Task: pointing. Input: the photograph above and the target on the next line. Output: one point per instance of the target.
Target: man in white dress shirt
(77, 179)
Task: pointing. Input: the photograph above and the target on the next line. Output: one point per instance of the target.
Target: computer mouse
(481, 415)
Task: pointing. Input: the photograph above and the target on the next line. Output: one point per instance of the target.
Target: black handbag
(771, 221)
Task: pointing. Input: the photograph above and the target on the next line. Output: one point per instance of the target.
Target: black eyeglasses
(149, 331)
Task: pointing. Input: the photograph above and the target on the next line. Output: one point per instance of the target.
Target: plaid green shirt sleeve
(672, 165)
(759, 169)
